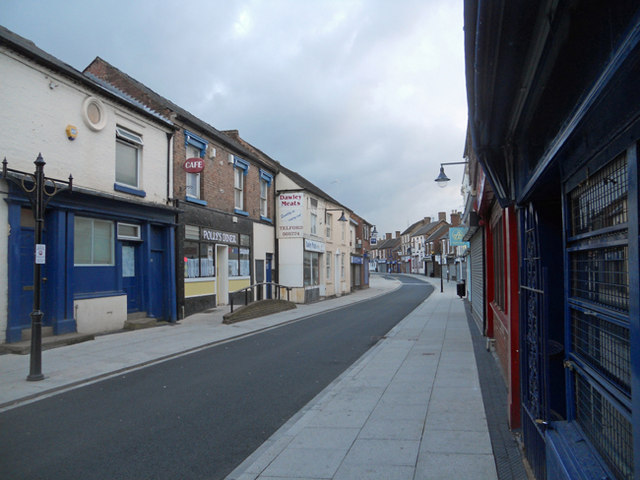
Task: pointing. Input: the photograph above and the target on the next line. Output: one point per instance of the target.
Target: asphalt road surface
(200, 415)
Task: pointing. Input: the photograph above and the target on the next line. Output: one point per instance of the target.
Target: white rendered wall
(43, 103)
(263, 242)
(97, 315)
(291, 262)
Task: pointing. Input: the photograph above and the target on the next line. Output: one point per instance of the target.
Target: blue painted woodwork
(196, 141)
(130, 190)
(65, 282)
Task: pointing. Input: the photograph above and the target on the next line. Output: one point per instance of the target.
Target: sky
(363, 98)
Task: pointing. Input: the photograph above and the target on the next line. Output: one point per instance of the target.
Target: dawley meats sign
(291, 221)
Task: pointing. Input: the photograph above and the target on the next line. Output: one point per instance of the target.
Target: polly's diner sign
(193, 165)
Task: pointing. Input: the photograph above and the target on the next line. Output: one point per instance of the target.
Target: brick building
(225, 196)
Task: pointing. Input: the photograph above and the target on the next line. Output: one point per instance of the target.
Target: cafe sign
(193, 165)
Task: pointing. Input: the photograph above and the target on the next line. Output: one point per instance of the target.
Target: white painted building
(313, 241)
(109, 242)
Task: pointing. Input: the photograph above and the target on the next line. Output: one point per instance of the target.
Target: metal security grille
(606, 427)
(477, 276)
(605, 346)
(601, 201)
(601, 276)
(599, 294)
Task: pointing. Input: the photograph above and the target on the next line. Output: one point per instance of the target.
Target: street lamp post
(39, 190)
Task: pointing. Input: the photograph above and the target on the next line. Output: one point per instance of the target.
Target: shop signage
(456, 236)
(194, 165)
(313, 246)
(291, 220)
(356, 260)
(217, 236)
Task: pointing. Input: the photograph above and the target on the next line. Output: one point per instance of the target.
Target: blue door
(269, 274)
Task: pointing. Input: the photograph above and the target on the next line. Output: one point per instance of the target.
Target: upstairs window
(195, 147)
(193, 179)
(265, 183)
(240, 170)
(328, 219)
(128, 150)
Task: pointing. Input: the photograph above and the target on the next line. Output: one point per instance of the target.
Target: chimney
(235, 134)
(426, 221)
(455, 219)
(442, 216)
(387, 236)
(397, 233)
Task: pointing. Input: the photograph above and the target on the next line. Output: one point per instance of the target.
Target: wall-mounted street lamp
(342, 217)
(39, 190)
(442, 179)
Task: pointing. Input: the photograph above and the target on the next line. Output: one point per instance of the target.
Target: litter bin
(460, 288)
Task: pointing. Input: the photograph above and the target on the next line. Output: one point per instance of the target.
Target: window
(311, 269)
(238, 185)
(328, 258)
(265, 183)
(93, 242)
(342, 266)
(239, 262)
(199, 260)
(599, 297)
(193, 179)
(264, 187)
(128, 147)
(328, 220)
(314, 223)
(240, 170)
(127, 231)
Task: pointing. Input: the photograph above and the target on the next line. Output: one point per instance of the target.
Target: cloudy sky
(364, 98)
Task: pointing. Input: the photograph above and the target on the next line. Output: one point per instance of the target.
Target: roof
(29, 49)
(438, 233)
(427, 228)
(307, 185)
(179, 112)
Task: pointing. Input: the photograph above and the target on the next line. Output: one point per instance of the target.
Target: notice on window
(128, 261)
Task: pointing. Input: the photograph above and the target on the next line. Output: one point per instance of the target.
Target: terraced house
(108, 242)
(224, 194)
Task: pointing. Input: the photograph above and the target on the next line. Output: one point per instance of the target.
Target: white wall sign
(291, 220)
(41, 254)
(313, 246)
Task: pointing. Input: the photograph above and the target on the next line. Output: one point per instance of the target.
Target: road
(200, 415)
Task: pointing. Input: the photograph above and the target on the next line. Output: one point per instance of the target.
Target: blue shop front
(107, 259)
(554, 117)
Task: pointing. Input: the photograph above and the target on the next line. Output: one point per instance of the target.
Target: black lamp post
(39, 190)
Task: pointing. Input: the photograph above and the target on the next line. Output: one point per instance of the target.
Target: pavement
(409, 408)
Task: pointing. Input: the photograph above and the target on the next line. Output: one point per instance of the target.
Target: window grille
(604, 345)
(601, 201)
(607, 428)
(601, 276)
(599, 294)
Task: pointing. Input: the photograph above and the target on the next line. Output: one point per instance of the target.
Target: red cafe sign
(194, 165)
